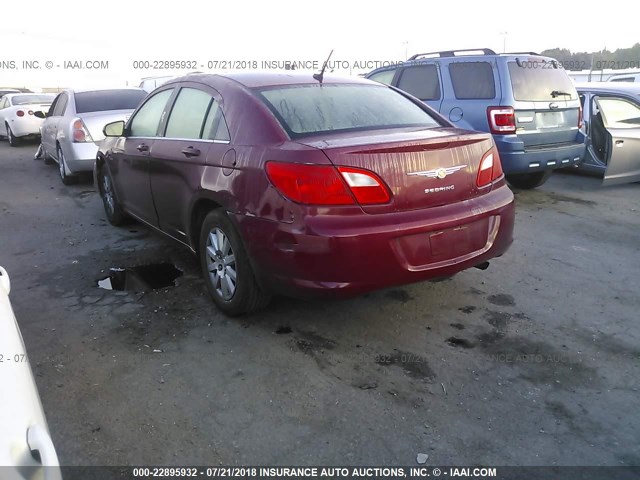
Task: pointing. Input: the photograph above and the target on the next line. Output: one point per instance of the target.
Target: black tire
(11, 138)
(218, 270)
(66, 179)
(112, 209)
(527, 181)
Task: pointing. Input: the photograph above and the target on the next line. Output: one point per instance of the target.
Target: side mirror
(39, 114)
(114, 129)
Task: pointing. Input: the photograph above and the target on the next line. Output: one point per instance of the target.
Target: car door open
(621, 120)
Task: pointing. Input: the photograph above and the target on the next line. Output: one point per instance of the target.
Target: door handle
(190, 152)
(619, 143)
(142, 147)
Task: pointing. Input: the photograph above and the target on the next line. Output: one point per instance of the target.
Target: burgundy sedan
(283, 184)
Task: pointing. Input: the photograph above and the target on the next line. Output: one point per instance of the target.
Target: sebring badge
(438, 172)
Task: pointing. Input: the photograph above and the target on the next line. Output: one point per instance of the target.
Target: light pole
(504, 41)
(406, 49)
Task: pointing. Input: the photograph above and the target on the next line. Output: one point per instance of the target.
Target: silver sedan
(72, 129)
(612, 123)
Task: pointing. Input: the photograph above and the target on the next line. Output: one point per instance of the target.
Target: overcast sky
(121, 32)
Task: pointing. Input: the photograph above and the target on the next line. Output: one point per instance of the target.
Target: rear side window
(188, 114)
(61, 105)
(539, 81)
(472, 80)
(146, 121)
(385, 77)
(315, 108)
(421, 82)
(104, 100)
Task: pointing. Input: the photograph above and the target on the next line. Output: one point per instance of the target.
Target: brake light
(580, 117)
(20, 113)
(501, 119)
(326, 184)
(490, 168)
(80, 132)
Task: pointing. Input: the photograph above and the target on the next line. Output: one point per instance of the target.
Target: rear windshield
(104, 100)
(29, 99)
(539, 81)
(310, 109)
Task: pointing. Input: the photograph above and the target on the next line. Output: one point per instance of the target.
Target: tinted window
(622, 79)
(188, 114)
(540, 82)
(421, 82)
(61, 105)
(146, 121)
(104, 100)
(385, 77)
(29, 99)
(472, 80)
(315, 108)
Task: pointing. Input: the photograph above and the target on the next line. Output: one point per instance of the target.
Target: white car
(17, 115)
(72, 130)
(25, 443)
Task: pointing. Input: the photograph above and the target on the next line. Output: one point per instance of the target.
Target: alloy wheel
(221, 264)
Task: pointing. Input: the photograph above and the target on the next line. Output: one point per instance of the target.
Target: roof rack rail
(452, 53)
(522, 53)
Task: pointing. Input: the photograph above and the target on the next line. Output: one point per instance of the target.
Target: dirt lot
(535, 361)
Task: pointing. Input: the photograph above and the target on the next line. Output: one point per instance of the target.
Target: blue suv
(527, 101)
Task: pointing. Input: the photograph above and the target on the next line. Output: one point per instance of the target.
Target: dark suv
(525, 100)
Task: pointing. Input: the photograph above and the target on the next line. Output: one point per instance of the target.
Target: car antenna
(320, 76)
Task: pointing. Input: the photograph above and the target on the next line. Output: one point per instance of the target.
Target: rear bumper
(331, 255)
(80, 156)
(26, 126)
(516, 159)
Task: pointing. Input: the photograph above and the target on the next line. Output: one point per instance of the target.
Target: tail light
(326, 184)
(490, 168)
(501, 120)
(30, 112)
(80, 132)
(20, 113)
(580, 117)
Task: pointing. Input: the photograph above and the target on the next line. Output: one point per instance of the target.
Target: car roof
(20, 94)
(609, 87)
(269, 79)
(86, 90)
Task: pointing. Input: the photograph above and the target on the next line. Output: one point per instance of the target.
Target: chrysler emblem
(438, 172)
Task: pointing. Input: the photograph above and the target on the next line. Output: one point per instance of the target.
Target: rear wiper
(557, 93)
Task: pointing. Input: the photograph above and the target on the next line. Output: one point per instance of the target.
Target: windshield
(309, 109)
(539, 81)
(104, 100)
(31, 99)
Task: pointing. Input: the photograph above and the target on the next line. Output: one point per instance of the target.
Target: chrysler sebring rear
(287, 185)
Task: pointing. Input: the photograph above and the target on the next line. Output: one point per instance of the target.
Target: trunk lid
(95, 121)
(423, 169)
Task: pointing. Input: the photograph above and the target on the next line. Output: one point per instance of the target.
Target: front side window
(146, 121)
(472, 80)
(315, 108)
(187, 116)
(618, 113)
(422, 82)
